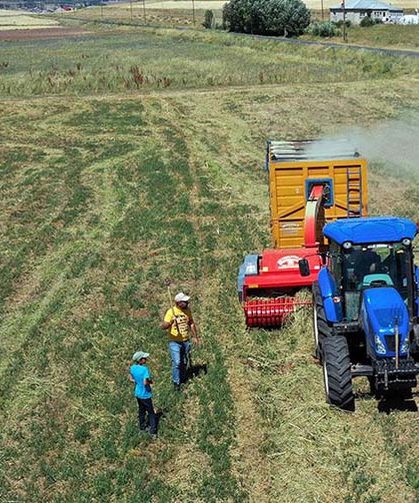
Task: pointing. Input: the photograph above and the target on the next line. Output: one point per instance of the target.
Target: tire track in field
(208, 402)
(256, 468)
(248, 464)
(399, 420)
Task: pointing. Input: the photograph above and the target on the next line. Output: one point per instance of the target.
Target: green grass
(386, 36)
(158, 59)
(105, 197)
(381, 35)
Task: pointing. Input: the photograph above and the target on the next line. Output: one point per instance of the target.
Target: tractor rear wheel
(321, 328)
(337, 372)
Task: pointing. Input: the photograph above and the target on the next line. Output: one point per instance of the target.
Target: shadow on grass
(159, 415)
(365, 396)
(390, 403)
(400, 404)
(196, 371)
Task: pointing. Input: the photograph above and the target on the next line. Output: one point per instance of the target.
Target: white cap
(138, 355)
(181, 297)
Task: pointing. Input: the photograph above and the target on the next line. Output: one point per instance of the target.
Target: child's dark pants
(146, 415)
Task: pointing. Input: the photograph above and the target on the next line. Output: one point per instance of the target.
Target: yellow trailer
(293, 168)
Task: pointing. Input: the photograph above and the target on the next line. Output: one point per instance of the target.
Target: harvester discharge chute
(310, 184)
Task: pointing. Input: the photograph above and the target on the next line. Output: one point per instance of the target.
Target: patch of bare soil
(42, 33)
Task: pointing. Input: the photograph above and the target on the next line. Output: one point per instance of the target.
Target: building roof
(370, 230)
(366, 5)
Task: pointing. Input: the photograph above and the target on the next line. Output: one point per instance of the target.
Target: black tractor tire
(337, 373)
(321, 328)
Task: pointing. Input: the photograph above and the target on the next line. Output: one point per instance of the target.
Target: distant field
(316, 4)
(126, 13)
(216, 4)
(41, 33)
(391, 36)
(183, 4)
(21, 20)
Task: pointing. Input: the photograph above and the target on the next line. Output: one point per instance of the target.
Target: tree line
(266, 17)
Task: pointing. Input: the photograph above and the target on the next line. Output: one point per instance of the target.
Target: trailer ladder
(354, 191)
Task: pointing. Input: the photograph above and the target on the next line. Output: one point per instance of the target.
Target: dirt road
(41, 33)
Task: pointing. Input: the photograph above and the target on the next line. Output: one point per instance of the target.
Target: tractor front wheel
(337, 372)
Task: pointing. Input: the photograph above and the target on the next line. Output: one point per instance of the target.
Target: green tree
(323, 29)
(209, 20)
(266, 17)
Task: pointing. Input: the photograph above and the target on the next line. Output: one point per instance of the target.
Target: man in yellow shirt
(180, 326)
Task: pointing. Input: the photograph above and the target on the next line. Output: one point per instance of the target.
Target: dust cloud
(393, 142)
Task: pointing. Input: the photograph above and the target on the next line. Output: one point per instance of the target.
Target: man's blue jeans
(180, 354)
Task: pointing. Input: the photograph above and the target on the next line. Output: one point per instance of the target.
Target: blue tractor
(365, 308)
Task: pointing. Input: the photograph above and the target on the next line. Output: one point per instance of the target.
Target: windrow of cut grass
(152, 59)
(134, 191)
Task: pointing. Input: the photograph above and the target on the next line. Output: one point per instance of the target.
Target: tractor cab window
(373, 266)
(376, 265)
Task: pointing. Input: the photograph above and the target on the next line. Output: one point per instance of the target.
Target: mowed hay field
(112, 182)
(22, 20)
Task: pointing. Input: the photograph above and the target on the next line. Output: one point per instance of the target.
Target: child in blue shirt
(140, 375)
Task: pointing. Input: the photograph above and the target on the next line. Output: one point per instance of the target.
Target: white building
(409, 19)
(356, 10)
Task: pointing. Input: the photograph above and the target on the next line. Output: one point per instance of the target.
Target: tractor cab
(358, 268)
(370, 253)
(365, 307)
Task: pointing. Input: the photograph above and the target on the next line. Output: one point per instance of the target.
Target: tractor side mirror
(304, 267)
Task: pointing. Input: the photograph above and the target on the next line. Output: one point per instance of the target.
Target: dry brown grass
(22, 20)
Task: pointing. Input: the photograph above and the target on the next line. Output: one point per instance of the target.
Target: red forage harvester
(310, 183)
